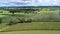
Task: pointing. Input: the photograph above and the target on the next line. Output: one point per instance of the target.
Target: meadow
(32, 32)
(43, 21)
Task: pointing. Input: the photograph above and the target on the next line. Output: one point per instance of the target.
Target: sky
(29, 3)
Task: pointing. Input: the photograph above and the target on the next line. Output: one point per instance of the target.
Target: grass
(7, 17)
(29, 26)
(2, 25)
(35, 26)
(32, 32)
(47, 16)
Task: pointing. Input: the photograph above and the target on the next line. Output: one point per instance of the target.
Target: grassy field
(22, 28)
(32, 32)
(35, 26)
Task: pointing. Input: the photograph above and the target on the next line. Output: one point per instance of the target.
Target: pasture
(34, 27)
(32, 32)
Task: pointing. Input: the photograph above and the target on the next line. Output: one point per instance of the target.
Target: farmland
(43, 21)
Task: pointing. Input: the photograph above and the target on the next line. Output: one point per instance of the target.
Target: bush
(0, 20)
(28, 20)
(14, 21)
(18, 20)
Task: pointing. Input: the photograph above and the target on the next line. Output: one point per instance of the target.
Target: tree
(12, 12)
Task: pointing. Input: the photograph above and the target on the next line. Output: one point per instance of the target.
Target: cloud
(29, 2)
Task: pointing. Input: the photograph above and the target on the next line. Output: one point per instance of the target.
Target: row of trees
(23, 10)
(31, 10)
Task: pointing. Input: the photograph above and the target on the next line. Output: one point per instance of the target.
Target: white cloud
(29, 2)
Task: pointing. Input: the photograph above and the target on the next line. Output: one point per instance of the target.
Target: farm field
(37, 27)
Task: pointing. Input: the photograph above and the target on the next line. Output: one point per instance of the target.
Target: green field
(40, 27)
(32, 32)
(35, 26)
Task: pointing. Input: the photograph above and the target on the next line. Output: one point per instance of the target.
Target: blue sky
(29, 3)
